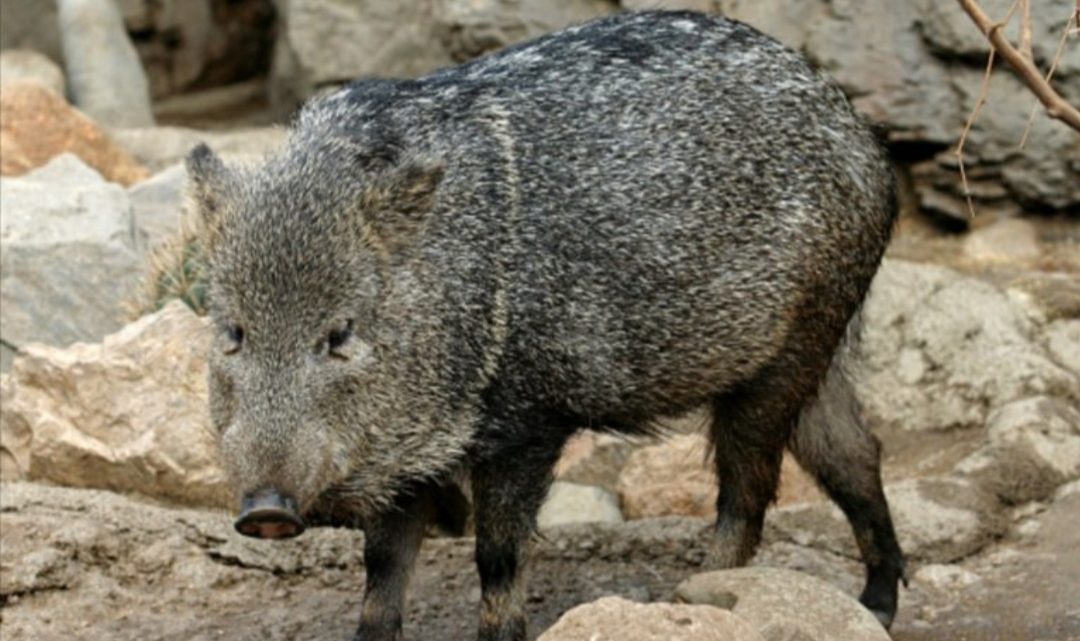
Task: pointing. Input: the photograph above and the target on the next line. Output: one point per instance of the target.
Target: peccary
(449, 276)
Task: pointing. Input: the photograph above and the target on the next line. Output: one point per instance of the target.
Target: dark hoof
(267, 514)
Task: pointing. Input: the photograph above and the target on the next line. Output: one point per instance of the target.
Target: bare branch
(1025, 30)
(967, 128)
(1073, 19)
(1056, 106)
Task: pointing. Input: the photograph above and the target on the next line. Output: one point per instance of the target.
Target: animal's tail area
(833, 444)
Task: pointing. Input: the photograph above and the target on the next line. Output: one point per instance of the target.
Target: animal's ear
(207, 180)
(396, 201)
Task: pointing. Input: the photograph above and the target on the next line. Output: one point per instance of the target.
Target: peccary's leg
(833, 445)
(750, 427)
(391, 542)
(507, 492)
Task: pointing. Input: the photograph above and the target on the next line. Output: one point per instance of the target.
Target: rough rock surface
(933, 345)
(937, 520)
(18, 65)
(159, 148)
(594, 459)
(331, 42)
(327, 42)
(1033, 447)
(67, 255)
(156, 205)
(784, 604)
(128, 414)
(30, 24)
(36, 125)
(469, 28)
(917, 67)
(88, 564)
(573, 503)
(105, 74)
(616, 619)
(675, 477)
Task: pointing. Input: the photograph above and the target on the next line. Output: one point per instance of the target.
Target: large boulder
(326, 42)
(30, 24)
(676, 478)
(18, 65)
(940, 350)
(127, 414)
(36, 125)
(784, 605)
(159, 148)
(157, 203)
(573, 503)
(106, 77)
(1033, 447)
(616, 619)
(937, 519)
(916, 67)
(67, 255)
(469, 28)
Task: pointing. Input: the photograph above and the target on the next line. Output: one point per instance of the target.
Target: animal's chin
(346, 504)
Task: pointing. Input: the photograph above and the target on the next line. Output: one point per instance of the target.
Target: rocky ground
(114, 519)
(88, 564)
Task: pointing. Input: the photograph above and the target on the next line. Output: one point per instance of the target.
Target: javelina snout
(268, 514)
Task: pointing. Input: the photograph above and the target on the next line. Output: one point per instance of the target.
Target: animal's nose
(268, 514)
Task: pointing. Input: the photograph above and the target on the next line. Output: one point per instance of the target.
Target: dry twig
(1056, 106)
(1070, 24)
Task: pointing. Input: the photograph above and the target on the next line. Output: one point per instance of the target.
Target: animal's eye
(339, 336)
(235, 334)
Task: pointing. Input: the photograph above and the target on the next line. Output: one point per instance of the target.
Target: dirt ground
(84, 564)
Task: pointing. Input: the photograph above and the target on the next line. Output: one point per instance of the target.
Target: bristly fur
(620, 221)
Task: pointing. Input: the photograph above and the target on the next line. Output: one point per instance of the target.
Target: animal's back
(655, 195)
(682, 183)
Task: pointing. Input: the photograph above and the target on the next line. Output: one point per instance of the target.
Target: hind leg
(832, 444)
(750, 428)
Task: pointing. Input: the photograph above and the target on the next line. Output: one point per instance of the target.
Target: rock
(68, 255)
(330, 42)
(156, 206)
(917, 69)
(1010, 241)
(127, 414)
(18, 65)
(616, 619)
(674, 5)
(159, 148)
(672, 478)
(470, 28)
(187, 26)
(784, 605)
(946, 578)
(106, 77)
(36, 125)
(594, 459)
(932, 346)
(937, 519)
(1033, 447)
(573, 503)
(1063, 342)
(703, 5)
(676, 478)
(30, 24)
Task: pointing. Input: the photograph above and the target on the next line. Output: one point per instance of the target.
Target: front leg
(507, 492)
(391, 543)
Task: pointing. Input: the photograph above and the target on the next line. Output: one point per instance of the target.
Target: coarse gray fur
(617, 222)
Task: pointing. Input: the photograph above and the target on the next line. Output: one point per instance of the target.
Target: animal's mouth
(269, 514)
